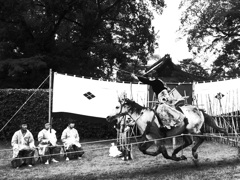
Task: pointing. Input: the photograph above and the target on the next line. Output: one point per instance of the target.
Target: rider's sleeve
(144, 80)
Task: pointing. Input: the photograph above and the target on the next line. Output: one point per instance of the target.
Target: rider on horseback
(167, 104)
(161, 91)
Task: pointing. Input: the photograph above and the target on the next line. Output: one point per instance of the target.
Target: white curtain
(206, 96)
(94, 98)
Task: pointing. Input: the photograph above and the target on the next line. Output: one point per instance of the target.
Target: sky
(167, 24)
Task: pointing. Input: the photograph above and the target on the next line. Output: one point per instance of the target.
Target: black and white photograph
(119, 89)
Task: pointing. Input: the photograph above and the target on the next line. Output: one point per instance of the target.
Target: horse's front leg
(187, 142)
(160, 149)
(144, 146)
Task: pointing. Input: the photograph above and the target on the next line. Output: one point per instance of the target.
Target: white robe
(113, 151)
(20, 142)
(70, 137)
(46, 138)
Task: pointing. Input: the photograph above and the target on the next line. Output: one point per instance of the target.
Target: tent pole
(50, 98)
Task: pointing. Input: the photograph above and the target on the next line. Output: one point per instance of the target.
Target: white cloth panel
(68, 95)
(205, 96)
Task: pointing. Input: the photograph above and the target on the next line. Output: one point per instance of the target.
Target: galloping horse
(152, 130)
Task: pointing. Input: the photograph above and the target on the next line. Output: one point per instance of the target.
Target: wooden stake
(50, 99)
(174, 142)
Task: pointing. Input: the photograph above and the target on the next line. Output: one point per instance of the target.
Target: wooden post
(238, 151)
(131, 151)
(174, 142)
(50, 98)
(193, 95)
(185, 99)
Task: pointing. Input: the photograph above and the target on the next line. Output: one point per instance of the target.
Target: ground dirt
(216, 161)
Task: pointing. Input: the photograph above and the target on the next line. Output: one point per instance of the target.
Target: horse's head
(123, 108)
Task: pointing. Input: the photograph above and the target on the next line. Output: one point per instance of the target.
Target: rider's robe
(169, 116)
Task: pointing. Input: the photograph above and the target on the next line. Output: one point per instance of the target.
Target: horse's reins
(136, 118)
(124, 114)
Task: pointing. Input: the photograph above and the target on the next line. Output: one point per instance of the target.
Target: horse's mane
(134, 107)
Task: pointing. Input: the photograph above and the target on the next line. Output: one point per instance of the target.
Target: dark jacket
(157, 85)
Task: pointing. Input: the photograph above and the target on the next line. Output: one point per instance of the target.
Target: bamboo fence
(226, 112)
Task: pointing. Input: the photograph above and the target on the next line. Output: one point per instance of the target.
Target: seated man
(23, 147)
(70, 139)
(47, 143)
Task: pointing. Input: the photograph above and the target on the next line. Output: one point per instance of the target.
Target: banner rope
(90, 142)
(24, 104)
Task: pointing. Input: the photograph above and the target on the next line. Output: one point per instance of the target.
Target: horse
(152, 130)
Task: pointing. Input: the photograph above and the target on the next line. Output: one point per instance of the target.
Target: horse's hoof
(195, 155)
(195, 161)
(175, 158)
(183, 157)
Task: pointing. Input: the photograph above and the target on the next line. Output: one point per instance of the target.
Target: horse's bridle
(126, 113)
(121, 107)
(135, 120)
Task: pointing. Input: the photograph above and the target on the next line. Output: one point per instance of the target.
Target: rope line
(135, 143)
(94, 149)
(196, 135)
(90, 142)
(24, 104)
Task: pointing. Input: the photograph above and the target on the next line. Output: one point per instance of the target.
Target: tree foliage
(82, 37)
(192, 67)
(214, 25)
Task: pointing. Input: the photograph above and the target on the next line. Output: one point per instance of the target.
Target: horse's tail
(209, 120)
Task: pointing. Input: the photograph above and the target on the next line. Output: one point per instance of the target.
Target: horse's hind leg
(195, 147)
(187, 142)
(164, 152)
(160, 149)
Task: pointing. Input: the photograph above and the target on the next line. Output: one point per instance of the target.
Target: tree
(82, 37)
(192, 67)
(214, 25)
(23, 72)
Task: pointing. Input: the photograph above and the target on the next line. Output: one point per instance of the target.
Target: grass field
(216, 161)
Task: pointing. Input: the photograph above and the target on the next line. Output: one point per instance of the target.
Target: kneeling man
(47, 143)
(70, 139)
(23, 147)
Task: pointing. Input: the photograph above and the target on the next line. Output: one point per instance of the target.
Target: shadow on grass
(217, 160)
(156, 171)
